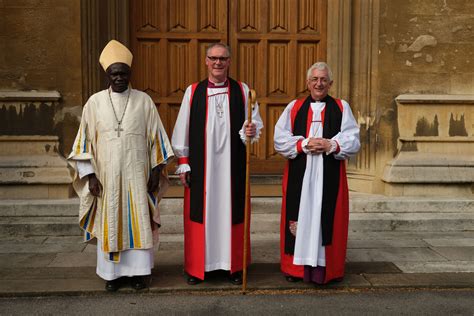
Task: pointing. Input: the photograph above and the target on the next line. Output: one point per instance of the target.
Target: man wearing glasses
(316, 134)
(209, 141)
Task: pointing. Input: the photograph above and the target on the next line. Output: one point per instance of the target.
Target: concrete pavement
(38, 266)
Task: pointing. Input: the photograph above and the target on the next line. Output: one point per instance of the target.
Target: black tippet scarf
(331, 173)
(197, 149)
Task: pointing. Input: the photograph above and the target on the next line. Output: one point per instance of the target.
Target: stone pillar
(435, 146)
(30, 165)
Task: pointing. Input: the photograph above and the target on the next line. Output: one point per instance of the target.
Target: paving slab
(456, 253)
(371, 267)
(450, 242)
(428, 280)
(436, 267)
(394, 254)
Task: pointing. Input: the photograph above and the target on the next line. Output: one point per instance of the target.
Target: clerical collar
(211, 84)
(323, 100)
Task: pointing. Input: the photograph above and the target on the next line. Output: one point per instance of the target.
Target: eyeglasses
(216, 58)
(323, 80)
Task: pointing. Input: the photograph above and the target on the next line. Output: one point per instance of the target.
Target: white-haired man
(316, 134)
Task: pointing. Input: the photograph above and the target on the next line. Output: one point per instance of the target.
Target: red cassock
(336, 251)
(195, 221)
(195, 243)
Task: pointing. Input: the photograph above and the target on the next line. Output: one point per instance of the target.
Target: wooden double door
(273, 43)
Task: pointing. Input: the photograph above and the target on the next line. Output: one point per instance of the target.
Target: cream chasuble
(125, 216)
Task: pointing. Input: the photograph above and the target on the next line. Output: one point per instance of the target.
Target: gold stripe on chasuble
(79, 141)
(120, 217)
(135, 224)
(116, 256)
(87, 221)
(105, 233)
(92, 219)
(159, 153)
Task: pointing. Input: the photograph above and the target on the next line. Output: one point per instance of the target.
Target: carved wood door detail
(273, 42)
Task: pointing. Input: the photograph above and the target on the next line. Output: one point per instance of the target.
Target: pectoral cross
(317, 127)
(118, 130)
(220, 109)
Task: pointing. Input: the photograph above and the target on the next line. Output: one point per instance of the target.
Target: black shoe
(292, 279)
(112, 286)
(137, 282)
(236, 278)
(193, 280)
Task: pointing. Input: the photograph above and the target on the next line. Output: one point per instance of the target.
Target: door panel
(273, 42)
(168, 41)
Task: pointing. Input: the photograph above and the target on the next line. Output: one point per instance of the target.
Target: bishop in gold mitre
(118, 157)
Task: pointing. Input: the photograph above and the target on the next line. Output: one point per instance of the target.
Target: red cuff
(183, 161)
(299, 148)
(338, 149)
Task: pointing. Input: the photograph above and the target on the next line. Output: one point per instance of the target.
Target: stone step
(360, 203)
(444, 222)
(260, 223)
(372, 203)
(39, 226)
(40, 208)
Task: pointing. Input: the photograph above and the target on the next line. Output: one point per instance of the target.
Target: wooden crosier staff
(252, 98)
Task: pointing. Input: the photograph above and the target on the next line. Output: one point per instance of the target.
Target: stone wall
(40, 49)
(425, 47)
(419, 47)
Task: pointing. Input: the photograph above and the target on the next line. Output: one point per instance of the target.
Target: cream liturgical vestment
(125, 216)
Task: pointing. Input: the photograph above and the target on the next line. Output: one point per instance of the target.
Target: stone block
(31, 168)
(436, 146)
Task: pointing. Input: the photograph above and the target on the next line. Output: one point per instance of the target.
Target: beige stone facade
(384, 53)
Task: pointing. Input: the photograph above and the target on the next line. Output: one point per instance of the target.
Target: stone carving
(457, 127)
(424, 128)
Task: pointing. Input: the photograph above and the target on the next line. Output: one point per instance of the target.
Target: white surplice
(308, 245)
(218, 214)
(133, 262)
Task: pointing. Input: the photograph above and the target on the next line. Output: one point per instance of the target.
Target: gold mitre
(115, 52)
